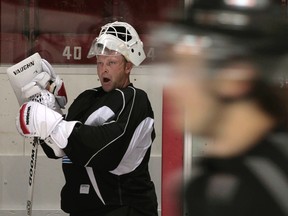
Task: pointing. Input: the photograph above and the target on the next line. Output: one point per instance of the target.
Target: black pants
(113, 211)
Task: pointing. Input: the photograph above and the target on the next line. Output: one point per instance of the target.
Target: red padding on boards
(172, 164)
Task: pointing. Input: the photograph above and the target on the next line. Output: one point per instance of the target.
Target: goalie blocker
(37, 120)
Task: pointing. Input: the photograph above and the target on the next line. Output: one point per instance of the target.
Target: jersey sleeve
(108, 133)
(48, 150)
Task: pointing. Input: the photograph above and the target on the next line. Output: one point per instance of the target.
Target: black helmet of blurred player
(225, 29)
(220, 34)
(258, 24)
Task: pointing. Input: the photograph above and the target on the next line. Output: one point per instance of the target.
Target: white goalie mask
(118, 38)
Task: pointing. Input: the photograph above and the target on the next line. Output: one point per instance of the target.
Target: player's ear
(128, 67)
(235, 81)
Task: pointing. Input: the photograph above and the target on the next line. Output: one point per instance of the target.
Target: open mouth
(106, 80)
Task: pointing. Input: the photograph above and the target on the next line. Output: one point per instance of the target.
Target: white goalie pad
(23, 73)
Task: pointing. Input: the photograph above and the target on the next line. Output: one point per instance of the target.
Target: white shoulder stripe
(99, 116)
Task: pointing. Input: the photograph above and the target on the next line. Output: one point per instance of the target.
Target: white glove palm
(38, 84)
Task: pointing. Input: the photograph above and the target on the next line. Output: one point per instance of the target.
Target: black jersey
(106, 162)
(255, 183)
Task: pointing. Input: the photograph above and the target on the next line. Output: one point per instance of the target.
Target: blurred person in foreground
(225, 57)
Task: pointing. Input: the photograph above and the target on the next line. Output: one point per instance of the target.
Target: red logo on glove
(24, 120)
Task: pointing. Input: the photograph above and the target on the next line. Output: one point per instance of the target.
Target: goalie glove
(56, 85)
(47, 79)
(38, 84)
(37, 120)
